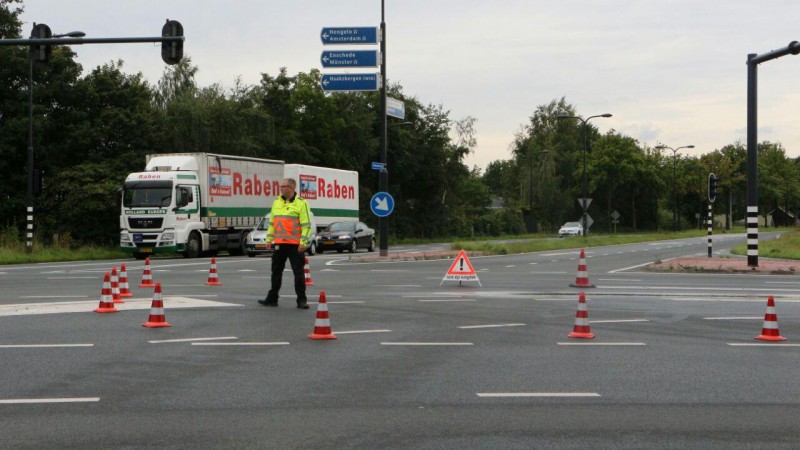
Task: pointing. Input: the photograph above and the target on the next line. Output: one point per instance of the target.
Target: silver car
(257, 239)
(570, 229)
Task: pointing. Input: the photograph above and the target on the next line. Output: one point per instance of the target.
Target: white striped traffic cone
(213, 277)
(770, 330)
(106, 301)
(307, 270)
(322, 324)
(581, 328)
(115, 287)
(124, 289)
(147, 276)
(157, 318)
(582, 278)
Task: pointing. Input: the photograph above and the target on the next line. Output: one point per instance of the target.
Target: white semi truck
(201, 203)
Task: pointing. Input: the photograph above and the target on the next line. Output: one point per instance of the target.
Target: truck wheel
(193, 246)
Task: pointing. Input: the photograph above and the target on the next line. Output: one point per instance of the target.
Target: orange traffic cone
(157, 318)
(581, 328)
(770, 331)
(582, 278)
(307, 270)
(213, 278)
(115, 287)
(322, 325)
(124, 289)
(106, 301)
(147, 276)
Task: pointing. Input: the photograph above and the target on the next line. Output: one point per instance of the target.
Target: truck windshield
(151, 193)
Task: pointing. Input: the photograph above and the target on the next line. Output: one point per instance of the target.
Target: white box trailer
(331, 193)
(194, 203)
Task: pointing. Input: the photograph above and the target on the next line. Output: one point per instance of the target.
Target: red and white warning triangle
(461, 270)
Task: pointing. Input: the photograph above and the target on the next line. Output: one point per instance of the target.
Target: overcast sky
(671, 72)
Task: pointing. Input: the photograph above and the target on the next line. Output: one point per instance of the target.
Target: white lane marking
(166, 341)
(509, 266)
(783, 282)
(469, 327)
(54, 296)
(734, 318)
(389, 270)
(398, 285)
(533, 263)
(548, 273)
(170, 302)
(739, 300)
(601, 343)
(247, 270)
(559, 254)
(619, 321)
(619, 279)
(633, 267)
(256, 278)
(449, 300)
(17, 401)
(328, 270)
(44, 345)
(208, 344)
(694, 288)
(346, 302)
(732, 344)
(363, 331)
(536, 394)
(427, 343)
(73, 278)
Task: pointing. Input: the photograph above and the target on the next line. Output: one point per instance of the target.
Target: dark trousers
(297, 261)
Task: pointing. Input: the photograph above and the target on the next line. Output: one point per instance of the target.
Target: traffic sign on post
(378, 165)
(349, 58)
(350, 82)
(382, 204)
(349, 35)
(395, 108)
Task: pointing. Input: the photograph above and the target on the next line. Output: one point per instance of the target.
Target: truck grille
(145, 222)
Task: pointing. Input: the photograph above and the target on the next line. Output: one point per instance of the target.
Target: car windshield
(263, 225)
(571, 225)
(341, 226)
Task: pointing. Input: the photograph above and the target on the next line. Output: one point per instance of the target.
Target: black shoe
(266, 302)
(302, 305)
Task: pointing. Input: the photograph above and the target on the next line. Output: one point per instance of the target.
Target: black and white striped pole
(753, 60)
(712, 195)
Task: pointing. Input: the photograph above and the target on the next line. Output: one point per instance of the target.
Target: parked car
(349, 235)
(570, 229)
(257, 239)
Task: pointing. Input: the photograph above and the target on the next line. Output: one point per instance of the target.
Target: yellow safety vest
(289, 221)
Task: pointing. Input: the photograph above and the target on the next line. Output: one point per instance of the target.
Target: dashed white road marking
(398, 285)
(426, 343)
(734, 318)
(44, 345)
(167, 341)
(619, 321)
(363, 331)
(241, 344)
(733, 344)
(448, 300)
(536, 394)
(54, 296)
(19, 401)
(602, 343)
(469, 327)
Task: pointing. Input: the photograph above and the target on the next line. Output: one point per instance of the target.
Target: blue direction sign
(382, 204)
(349, 35)
(350, 82)
(377, 166)
(349, 58)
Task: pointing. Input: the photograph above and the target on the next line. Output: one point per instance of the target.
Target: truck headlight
(124, 237)
(168, 236)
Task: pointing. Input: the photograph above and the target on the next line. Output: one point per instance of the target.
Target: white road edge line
(427, 343)
(44, 345)
(17, 401)
(733, 318)
(733, 344)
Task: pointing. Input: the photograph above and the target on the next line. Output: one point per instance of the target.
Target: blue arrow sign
(350, 82)
(377, 166)
(349, 35)
(349, 58)
(382, 204)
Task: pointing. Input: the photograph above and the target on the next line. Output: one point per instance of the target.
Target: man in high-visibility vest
(288, 234)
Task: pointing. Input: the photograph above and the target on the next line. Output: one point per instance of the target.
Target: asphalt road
(416, 364)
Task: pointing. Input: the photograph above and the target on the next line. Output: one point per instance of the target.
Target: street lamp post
(674, 191)
(29, 196)
(531, 218)
(584, 200)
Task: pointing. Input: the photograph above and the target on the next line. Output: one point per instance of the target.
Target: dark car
(350, 235)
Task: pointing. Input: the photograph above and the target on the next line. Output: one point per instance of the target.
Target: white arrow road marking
(87, 306)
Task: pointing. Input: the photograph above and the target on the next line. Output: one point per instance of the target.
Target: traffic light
(712, 187)
(41, 52)
(172, 52)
